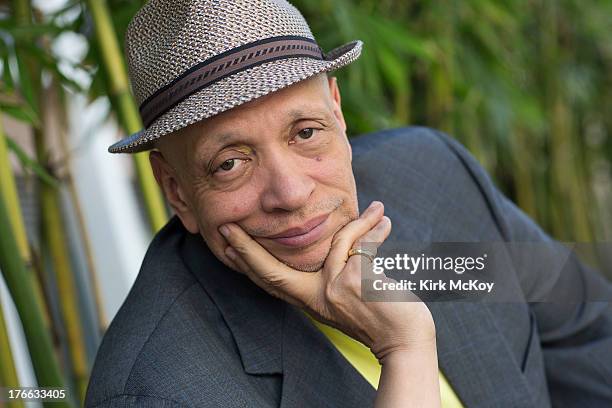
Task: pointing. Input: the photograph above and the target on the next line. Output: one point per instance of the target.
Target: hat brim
(236, 90)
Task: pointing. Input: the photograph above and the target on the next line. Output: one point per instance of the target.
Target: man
(252, 155)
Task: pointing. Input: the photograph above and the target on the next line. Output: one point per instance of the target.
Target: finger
(371, 241)
(359, 266)
(236, 261)
(376, 235)
(351, 232)
(244, 268)
(268, 272)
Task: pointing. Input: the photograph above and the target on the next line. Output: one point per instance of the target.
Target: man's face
(279, 167)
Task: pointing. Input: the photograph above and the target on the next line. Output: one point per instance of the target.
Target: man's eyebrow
(214, 143)
(220, 139)
(306, 113)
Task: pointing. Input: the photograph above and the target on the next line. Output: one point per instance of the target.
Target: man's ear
(168, 181)
(337, 101)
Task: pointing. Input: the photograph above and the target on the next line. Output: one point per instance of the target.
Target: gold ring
(364, 252)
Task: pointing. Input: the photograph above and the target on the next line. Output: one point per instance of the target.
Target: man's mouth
(302, 235)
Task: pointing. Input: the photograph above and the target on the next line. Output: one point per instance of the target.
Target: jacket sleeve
(575, 328)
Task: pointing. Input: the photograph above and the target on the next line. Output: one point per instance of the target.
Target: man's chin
(304, 267)
(309, 259)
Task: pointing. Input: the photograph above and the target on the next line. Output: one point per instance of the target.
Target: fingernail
(224, 230)
(231, 253)
(374, 205)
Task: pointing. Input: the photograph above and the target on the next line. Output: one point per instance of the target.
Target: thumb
(269, 273)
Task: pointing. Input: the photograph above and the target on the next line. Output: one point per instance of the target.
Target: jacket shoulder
(428, 178)
(410, 153)
(161, 282)
(413, 140)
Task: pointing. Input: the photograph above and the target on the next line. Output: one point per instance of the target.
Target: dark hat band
(220, 66)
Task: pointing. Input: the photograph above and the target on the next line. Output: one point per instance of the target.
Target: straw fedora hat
(191, 59)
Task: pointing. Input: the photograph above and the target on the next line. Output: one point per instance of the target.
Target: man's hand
(333, 294)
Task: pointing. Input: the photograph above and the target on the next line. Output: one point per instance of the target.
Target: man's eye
(227, 165)
(230, 164)
(306, 133)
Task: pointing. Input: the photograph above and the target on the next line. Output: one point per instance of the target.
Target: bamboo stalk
(8, 189)
(570, 220)
(8, 193)
(127, 110)
(53, 231)
(522, 159)
(55, 237)
(439, 103)
(37, 337)
(8, 373)
(567, 175)
(69, 180)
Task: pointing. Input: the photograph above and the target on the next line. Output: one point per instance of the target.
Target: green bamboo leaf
(67, 8)
(21, 112)
(397, 36)
(393, 68)
(27, 32)
(31, 164)
(66, 81)
(7, 79)
(27, 83)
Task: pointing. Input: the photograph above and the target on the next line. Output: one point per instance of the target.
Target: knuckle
(344, 238)
(360, 241)
(348, 233)
(273, 280)
(338, 239)
(331, 293)
(353, 280)
(240, 248)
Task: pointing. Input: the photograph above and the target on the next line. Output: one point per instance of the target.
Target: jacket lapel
(275, 338)
(254, 318)
(315, 373)
(475, 358)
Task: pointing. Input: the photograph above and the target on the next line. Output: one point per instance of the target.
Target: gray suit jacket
(192, 333)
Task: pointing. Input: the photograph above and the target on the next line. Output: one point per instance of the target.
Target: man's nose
(287, 185)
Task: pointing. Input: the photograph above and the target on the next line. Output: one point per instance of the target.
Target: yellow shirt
(364, 361)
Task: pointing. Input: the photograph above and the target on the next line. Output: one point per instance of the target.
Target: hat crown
(166, 38)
